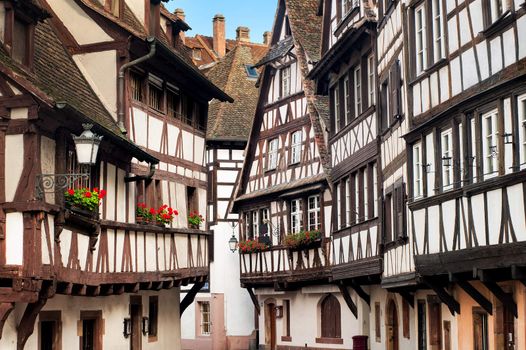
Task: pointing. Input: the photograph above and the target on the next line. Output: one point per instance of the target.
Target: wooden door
(271, 326)
(392, 326)
(509, 328)
(136, 322)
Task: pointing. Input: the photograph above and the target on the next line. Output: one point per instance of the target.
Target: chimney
(219, 35)
(243, 34)
(180, 14)
(267, 36)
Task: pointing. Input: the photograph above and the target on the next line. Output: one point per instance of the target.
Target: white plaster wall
(80, 25)
(114, 310)
(14, 161)
(14, 238)
(100, 70)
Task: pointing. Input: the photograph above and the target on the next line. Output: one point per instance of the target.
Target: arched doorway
(392, 326)
(270, 324)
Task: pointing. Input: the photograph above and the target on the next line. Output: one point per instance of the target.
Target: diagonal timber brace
(348, 300)
(444, 296)
(190, 296)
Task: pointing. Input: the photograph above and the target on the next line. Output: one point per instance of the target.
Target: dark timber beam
(348, 300)
(444, 296)
(27, 323)
(190, 296)
(5, 310)
(518, 273)
(254, 300)
(477, 296)
(504, 298)
(361, 293)
(408, 297)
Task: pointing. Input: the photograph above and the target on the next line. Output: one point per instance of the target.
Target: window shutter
(395, 85)
(435, 320)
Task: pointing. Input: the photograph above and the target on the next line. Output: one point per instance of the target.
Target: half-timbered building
(98, 279)
(346, 73)
(229, 308)
(467, 105)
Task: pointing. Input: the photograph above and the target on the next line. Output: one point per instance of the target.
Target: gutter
(120, 81)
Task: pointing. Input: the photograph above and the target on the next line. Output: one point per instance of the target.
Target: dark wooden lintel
(254, 300)
(348, 300)
(504, 298)
(476, 295)
(444, 296)
(190, 296)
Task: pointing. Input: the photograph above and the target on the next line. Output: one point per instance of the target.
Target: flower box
(252, 246)
(84, 201)
(303, 240)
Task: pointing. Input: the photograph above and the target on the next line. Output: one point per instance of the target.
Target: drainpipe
(120, 82)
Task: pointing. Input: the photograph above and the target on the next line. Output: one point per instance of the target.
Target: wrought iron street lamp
(87, 145)
(232, 243)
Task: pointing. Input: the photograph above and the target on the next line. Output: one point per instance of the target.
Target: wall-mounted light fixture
(446, 161)
(127, 325)
(145, 325)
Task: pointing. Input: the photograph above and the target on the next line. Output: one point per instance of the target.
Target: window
(375, 190)
(153, 315)
(497, 7)
(296, 141)
(91, 335)
(489, 143)
(357, 91)
(521, 104)
(136, 87)
(405, 319)
(336, 109)
(206, 322)
(192, 201)
(20, 44)
(50, 330)
(377, 322)
(349, 218)
(330, 317)
(285, 81)
(422, 325)
(421, 44)
(296, 216)
(371, 82)
(388, 204)
(417, 171)
(286, 313)
(434, 307)
(338, 210)
(347, 6)
(438, 30)
(365, 194)
(346, 101)
(155, 97)
(480, 329)
(248, 232)
(251, 71)
(314, 213)
(264, 218)
(173, 104)
(196, 54)
(473, 132)
(399, 210)
(272, 151)
(357, 199)
(447, 159)
(255, 223)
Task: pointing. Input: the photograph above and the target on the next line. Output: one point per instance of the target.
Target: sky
(258, 15)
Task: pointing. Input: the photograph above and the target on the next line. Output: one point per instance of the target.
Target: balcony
(282, 267)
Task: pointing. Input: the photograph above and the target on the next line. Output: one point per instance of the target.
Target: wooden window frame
(418, 173)
(421, 325)
(285, 76)
(485, 146)
(272, 154)
(296, 147)
(286, 329)
(201, 323)
(298, 214)
(357, 89)
(330, 335)
(336, 108)
(434, 311)
(485, 322)
(447, 150)
(421, 46)
(317, 212)
(99, 327)
(371, 80)
(377, 322)
(406, 333)
(51, 316)
(521, 123)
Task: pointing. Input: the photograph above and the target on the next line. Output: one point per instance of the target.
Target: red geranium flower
(95, 189)
(102, 194)
(87, 194)
(71, 192)
(152, 211)
(176, 212)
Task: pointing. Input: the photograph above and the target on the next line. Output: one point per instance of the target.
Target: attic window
(251, 71)
(196, 54)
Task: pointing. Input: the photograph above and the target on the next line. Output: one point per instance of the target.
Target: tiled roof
(232, 121)
(321, 103)
(306, 25)
(278, 50)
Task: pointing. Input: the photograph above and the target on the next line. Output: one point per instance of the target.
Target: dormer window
(196, 54)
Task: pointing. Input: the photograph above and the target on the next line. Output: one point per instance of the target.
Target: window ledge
(399, 241)
(329, 340)
(500, 24)
(286, 338)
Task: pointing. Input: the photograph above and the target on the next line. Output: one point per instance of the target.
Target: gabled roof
(57, 81)
(230, 121)
(305, 28)
(279, 50)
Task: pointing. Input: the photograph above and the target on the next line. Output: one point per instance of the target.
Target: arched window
(330, 317)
